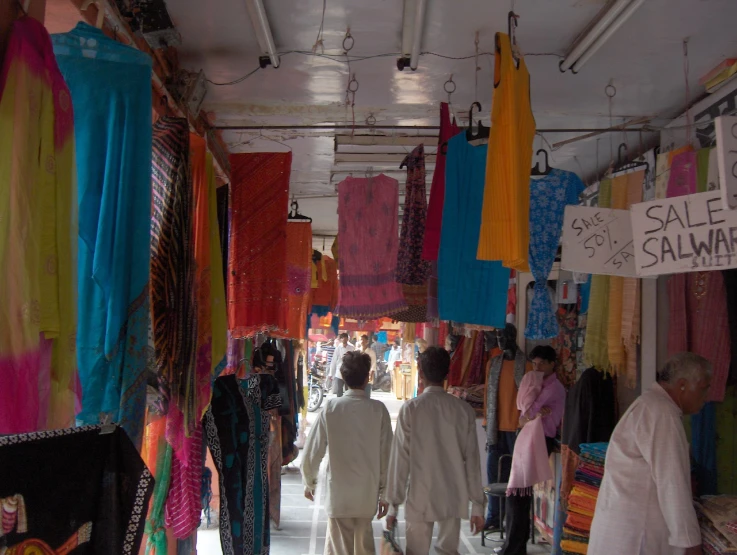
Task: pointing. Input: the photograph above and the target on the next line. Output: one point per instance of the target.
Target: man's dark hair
(435, 364)
(364, 336)
(545, 352)
(343, 335)
(355, 369)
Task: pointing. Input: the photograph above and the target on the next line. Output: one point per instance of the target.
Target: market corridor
(304, 524)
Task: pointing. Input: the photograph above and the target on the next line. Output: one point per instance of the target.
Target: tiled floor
(303, 523)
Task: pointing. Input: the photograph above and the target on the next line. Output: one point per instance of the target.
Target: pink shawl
(530, 460)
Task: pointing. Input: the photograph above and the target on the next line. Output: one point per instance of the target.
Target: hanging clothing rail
(407, 128)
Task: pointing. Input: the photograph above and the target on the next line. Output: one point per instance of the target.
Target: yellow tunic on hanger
(505, 216)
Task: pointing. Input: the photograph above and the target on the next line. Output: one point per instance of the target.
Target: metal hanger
(536, 170)
(295, 216)
(482, 131)
(623, 166)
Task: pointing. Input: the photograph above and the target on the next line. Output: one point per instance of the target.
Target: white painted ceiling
(644, 60)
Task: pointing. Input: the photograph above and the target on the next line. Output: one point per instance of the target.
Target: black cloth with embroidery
(72, 491)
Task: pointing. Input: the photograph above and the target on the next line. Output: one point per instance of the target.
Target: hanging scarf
(298, 290)
(492, 398)
(217, 285)
(615, 348)
(530, 463)
(173, 292)
(595, 347)
(631, 296)
(257, 276)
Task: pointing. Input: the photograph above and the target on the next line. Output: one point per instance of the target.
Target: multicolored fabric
(257, 263)
(110, 86)
(462, 279)
(98, 507)
(217, 283)
(325, 283)
(237, 430)
(367, 223)
(299, 264)
(183, 501)
(412, 270)
(549, 197)
(682, 178)
(37, 250)
(431, 243)
(173, 291)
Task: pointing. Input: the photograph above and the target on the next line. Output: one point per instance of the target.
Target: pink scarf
(530, 464)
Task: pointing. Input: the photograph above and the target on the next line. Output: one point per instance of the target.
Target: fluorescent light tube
(263, 31)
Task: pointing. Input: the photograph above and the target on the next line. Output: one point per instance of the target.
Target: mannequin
(502, 417)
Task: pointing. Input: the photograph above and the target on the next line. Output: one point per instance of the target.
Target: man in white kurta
(334, 374)
(435, 466)
(356, 432)
(367, 350)
(645, 504)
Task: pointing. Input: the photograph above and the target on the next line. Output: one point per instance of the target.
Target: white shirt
(436, 456)
(372, 355)
(337, 361)
(645, 505)
(357, 434)
(394, 356)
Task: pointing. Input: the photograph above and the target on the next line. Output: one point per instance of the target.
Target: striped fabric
(184, 503)
(173, 306)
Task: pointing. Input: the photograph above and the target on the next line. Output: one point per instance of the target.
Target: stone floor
(303, 523)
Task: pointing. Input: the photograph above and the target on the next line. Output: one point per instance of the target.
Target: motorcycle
(316, 385)
(383, 378)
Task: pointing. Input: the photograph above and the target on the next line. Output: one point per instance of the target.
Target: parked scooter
(383, 378)
(316, 385)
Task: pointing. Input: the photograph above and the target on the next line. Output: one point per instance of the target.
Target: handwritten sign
(726, 130)
(684, 234)
(598, 241)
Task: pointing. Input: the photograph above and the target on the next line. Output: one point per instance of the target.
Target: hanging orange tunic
(505, 215)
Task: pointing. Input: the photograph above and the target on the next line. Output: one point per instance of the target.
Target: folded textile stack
(718, 518)
(582, 501)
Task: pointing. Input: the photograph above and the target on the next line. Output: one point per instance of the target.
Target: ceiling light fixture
(606, 24)
(263, 33)
(413, 24)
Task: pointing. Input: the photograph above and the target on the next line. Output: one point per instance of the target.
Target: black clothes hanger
(536, 170)
(623, 166)
(295, 216)
(482, 132)
(316, 256)
(512, 32)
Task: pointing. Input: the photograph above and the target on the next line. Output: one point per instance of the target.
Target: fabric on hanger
(217, 283)
(38, 255)
(298, 293)
(258, 242)
(702, 170)
(110, 85)
(203, 279)
(367, 215)
(431, 241)
(566, 345)
(325, 294)
(98, 507)
(173, 279)
(412, 270)
(704, 449)
(432, 293)
(463, 281)
(682, 178)
(237, 430)
(223, 195)
(183, 502)
(595, 351)
(548, 198)
(504, 233)
(631, 291)
(699, 323)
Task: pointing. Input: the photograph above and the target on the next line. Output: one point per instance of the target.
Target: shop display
(99, 506)
(367, 220)
(257, 249)
(412, 270)
(462, 279)
(299, 264)
(111, 95)
(504, 232)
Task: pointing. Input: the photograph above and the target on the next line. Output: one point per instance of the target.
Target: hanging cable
(477, 69)
(320, 41)
(611, 91)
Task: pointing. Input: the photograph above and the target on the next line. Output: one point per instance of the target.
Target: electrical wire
(235, 82)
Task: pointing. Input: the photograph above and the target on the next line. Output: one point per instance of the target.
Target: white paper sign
(684, 234)
(598, 241)
(726, 133)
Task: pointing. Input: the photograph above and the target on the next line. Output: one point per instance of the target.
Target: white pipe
(263, 30)
(616, 24)
(593, 33)
(414, 58)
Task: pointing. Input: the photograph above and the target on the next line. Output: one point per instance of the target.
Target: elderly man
(342, 347)
(645, 505)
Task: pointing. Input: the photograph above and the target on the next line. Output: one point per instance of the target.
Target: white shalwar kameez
(645, 504)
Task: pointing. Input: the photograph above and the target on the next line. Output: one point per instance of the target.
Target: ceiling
(644, 60)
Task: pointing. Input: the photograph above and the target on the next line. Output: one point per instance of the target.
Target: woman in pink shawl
(541, 401)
